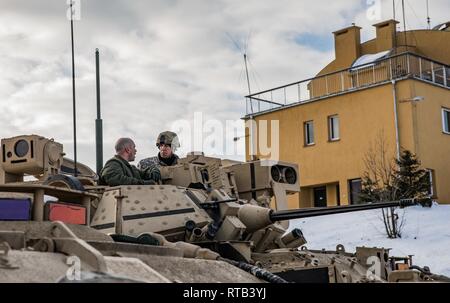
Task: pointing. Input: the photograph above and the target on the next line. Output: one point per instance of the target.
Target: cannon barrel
(322, 211)
(257, 217)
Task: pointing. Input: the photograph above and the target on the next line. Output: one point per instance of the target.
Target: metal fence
(354, 78)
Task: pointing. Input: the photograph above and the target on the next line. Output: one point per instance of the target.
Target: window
(338, 195)
(355, 190)
(431, 190)
(333, 128)
(309, 133)
(320, 196)
(446, 120)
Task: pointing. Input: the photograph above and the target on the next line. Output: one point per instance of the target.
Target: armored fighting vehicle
(210, 220)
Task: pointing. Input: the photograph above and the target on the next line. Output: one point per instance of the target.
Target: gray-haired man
(118, 170)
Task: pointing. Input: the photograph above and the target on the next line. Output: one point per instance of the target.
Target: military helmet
(169, 138)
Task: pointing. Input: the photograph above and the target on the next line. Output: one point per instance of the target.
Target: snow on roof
(442, 27)
(369, 58)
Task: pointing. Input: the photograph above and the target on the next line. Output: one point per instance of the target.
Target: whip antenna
(73, 94)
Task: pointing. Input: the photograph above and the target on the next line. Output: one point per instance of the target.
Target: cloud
(161, 61)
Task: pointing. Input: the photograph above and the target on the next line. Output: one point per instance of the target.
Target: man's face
(165, 150)
(131, 149)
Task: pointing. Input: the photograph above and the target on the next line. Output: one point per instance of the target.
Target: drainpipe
(397, 139)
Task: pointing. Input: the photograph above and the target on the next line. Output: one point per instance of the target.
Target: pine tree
(411, 180)
(383, 181)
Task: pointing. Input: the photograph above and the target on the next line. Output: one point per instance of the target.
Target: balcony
(401, 66)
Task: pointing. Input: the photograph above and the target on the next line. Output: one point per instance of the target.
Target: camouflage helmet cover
(168, 137)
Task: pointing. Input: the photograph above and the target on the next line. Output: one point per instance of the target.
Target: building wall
(429, 43)
(364, 116)
(431, 144)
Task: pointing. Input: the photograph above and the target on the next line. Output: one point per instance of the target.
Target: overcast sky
(162, 61)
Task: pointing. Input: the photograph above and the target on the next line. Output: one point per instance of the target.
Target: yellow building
(395, 87)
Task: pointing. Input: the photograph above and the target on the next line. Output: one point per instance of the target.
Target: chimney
(347, 45)
(386, 35)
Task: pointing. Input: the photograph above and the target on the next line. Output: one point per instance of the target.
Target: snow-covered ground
(426, 234)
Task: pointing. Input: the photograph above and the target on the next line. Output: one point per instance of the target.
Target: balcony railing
(405, 65)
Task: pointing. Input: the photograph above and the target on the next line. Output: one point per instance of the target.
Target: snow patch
(369, 58)
(425, 234)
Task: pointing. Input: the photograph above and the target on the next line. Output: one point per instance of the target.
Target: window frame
(331, 130)
(432, 178)
(443, 114)
(305, 133)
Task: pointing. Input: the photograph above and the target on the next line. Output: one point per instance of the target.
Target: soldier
(118, 170)
(167, 142)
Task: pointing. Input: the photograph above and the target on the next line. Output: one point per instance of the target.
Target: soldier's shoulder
(144, 163)
(148, 160)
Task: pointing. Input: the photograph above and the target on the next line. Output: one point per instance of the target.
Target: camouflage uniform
(155, 161)
(117, 171)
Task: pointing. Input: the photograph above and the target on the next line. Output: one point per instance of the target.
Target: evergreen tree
(411, 180)
(383, 181)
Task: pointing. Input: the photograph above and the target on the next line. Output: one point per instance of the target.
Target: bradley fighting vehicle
(210, 220)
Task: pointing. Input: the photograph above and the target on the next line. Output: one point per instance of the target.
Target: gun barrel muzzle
(323, 211)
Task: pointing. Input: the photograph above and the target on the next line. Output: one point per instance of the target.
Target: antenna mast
(428, 17)
(404, 23)
(246, 73)
(248, 81)
(98, 121)
(252, 155)
(393, 9)
(73, 94)
(395, 27)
